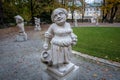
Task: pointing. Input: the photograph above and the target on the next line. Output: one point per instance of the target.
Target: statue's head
(18, 19)
(35, 18)
(59, 15)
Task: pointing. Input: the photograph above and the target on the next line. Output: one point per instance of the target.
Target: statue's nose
(58, 15)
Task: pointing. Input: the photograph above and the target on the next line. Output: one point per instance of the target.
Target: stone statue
(37, 24)
(22, 36)
(76, 16)
(60, 37)
(94, 19)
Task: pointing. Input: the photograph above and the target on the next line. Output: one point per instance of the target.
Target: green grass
(102, 42)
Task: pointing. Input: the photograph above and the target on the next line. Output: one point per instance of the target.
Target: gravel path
(21, 60)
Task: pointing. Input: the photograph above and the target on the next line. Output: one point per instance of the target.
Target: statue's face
(59, 17)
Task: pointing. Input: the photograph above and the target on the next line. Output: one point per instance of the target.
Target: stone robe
(61, 41)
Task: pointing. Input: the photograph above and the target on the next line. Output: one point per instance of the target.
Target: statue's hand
(74, 41)
(45, 46)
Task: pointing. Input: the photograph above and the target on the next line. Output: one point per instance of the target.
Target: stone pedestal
(37, 28)
(76, 24)
(97, 24)
(21, 37)
(71, 75)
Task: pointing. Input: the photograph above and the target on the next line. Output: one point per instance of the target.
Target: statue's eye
(55, 16)
(60, 13)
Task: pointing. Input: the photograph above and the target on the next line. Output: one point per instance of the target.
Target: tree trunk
(72, 11)
(72, 16)
(82, 16)
(1, 15)
(104, 17)
(113, 12)
(32, 20)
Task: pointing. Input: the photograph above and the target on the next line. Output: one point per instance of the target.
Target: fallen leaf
(102, 79)
(95, 75)
(106, 69)
(110, 75)
(106, 56)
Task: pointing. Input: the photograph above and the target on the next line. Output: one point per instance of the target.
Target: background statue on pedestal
(95, 18)
(22, 36)
(60, 37)
(37, 24)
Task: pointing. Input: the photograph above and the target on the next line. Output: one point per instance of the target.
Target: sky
(91, 1)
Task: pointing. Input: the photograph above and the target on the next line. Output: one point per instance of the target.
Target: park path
(21, 60)
(99, 24)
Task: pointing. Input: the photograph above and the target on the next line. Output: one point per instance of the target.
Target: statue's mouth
(59, 19)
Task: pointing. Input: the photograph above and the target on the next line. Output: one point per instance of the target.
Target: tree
(16, 7)
(22, 7)
(28, 9)
(1, 15)
(117, 17)
(6, 12)
(83, 8)
(109, 9)
(73, 5)
(44, 8)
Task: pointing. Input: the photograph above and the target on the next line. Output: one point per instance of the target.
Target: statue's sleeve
(49, 32)
(73, 36)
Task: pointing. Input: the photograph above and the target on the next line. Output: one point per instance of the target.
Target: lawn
(102, 42)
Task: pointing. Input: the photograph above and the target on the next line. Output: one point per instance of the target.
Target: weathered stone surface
(22, 36)
(37, 24)
(21, 61)
(62, 71)
(72, 75)
(60, 38)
